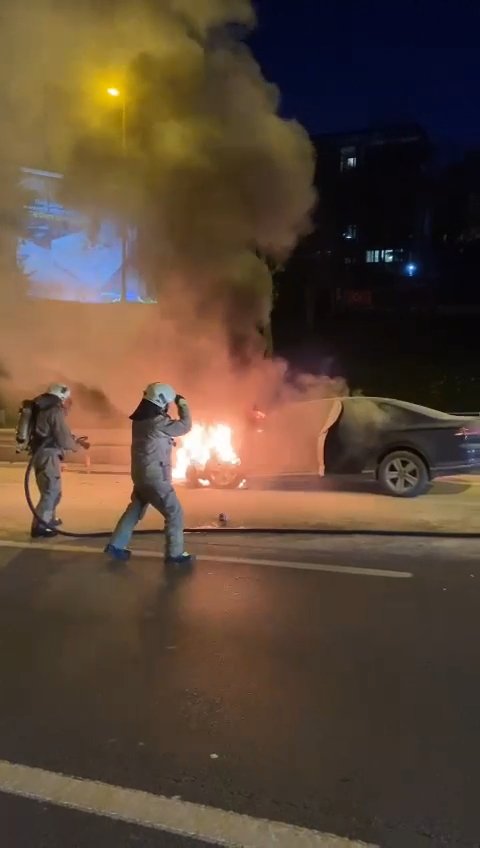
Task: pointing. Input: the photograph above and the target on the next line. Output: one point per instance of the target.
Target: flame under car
(403, 446)
(207, 457)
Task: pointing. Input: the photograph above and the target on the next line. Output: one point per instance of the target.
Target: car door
(290, 443)
(354, 437)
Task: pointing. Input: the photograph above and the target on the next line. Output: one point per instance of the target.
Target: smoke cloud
(215, 182)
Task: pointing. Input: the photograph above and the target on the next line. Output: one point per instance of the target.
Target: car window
(365, 414)
(396, 415)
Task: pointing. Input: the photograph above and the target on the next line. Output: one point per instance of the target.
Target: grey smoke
(213, 176)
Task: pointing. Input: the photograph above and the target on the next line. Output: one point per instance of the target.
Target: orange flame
(202, 443)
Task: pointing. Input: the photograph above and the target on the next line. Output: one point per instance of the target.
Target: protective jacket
(50, 429)
(153, 437)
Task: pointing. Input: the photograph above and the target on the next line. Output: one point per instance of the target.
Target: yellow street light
(113, 92)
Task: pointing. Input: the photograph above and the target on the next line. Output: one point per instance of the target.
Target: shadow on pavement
(348, 486)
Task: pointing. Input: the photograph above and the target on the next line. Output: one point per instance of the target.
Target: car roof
(414, 408)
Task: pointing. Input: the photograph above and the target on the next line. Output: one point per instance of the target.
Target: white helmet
(60, 391)
(161, 394)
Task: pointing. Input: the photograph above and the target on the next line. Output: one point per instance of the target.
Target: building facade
(373, 221)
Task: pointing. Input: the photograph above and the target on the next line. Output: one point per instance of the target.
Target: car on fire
(401, 445)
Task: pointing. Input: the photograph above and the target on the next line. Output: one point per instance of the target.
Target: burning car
(403, 446)
(207, 457)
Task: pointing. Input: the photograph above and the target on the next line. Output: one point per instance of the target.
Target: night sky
(331, 61)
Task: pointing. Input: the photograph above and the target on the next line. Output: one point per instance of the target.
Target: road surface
(333, 689)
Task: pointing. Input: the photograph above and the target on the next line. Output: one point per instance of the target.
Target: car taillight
(466, 432)
(257, 418)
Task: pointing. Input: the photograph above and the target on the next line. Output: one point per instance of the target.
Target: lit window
(348, 158)
(387, 256)
(350, 232)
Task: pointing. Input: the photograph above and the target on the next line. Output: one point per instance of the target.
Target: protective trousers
(48, 474)
(162, 496)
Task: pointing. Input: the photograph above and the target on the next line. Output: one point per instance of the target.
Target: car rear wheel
(403, 474)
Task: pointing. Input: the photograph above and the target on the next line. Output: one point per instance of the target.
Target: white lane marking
(274, 563)
(311, 566)
(184, 818)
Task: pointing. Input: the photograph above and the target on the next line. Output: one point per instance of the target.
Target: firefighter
(49, 437)
(153, 434)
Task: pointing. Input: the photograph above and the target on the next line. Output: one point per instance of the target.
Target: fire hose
(283, 531)
(45, 524)
(94, 534)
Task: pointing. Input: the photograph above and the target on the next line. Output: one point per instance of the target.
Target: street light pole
(123, 282)
(115, 92)
(124, 123)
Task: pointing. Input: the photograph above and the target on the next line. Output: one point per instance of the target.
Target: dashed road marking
(235, 560)
(158, 812)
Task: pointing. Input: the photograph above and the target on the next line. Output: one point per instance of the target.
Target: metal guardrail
(107, 440)
(102, 441)
(115, 438)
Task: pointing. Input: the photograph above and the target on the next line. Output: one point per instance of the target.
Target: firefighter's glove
(83, 442)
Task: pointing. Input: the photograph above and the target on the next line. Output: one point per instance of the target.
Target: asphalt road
(342, 700)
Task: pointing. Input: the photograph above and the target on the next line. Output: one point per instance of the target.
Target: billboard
(62, 255)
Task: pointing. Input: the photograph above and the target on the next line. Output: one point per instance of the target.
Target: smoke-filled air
(190, 155)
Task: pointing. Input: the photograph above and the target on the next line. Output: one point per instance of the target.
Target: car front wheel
(192, 477)
(223, 475)
(403, 474)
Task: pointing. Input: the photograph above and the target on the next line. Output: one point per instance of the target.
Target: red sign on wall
(358, 297)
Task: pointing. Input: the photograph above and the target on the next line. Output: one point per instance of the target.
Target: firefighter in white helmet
(49, 438)
(153, 434)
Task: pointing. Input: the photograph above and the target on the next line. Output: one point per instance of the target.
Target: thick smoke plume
(215, 182)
